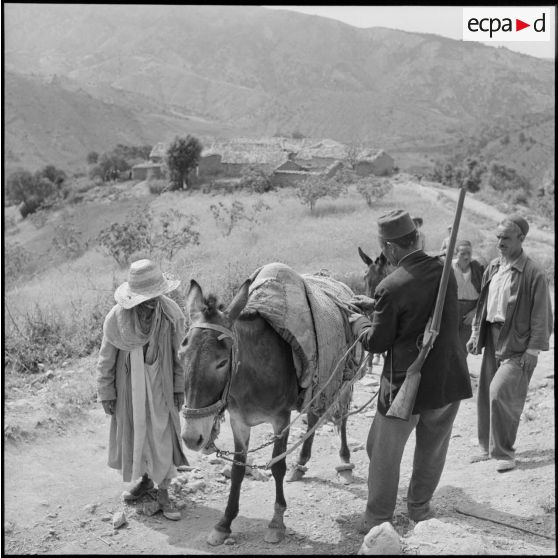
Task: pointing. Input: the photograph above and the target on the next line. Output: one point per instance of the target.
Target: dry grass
(80, 292)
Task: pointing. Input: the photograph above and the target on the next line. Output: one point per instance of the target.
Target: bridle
(219, 407)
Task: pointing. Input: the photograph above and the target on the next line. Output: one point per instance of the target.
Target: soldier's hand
(472, 346)
(528, 362)
(109, 405)
(365, 303)
(179, 400)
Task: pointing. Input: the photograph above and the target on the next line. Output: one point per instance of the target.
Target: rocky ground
(61, 498)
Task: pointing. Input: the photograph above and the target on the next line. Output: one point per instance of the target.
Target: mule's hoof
(216, 537)
(297, 473)
(274, 536)
(346, 476)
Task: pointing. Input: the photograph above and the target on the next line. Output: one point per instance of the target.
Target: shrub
(33, 191)
(227, 217)
(157, 186)
(47, 336)
(506, 178)
(16, 261)
(314, 188)
(67, 239)
(121, 240)
(373, 189)
(255, 180)
(39, 218)
(177, 231)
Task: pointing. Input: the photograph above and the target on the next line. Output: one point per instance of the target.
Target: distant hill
(48, 123)
(250, 70)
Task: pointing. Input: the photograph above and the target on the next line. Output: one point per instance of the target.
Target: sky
(440, 20)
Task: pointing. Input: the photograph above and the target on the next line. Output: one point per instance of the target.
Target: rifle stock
(402, 405)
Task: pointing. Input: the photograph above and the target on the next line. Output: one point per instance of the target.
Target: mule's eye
(185, 342)
(222, 363)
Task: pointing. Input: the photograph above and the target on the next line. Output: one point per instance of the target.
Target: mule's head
(377, 270)
(207, 358)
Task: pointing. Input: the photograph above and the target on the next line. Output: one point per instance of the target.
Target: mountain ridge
(265, 72)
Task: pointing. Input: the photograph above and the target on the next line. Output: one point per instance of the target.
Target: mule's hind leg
(276, 528)
(345, 469)
(299, 469)
(222, 530)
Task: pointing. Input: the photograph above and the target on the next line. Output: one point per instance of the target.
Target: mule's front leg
(345, 469)
(305, 453)
(222, 530)
(276, 528)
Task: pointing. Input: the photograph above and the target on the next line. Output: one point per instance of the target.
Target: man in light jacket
(513, 323)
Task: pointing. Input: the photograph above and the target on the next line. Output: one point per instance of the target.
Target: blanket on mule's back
(304, 311)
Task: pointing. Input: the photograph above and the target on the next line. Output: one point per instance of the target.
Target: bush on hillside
(227, 216)
(68, 239)
(503, 178)
(157, 186)
(17, 260)
(374, 189)
(315, 188)
(34, 191)
(255, 180)
(177, 231)
(46, 336)
(121, 240)
(140, 234)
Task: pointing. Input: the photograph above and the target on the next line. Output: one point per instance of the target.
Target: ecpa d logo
(507, 24)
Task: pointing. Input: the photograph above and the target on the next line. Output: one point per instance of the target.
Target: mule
(377, 270)
(237, 361)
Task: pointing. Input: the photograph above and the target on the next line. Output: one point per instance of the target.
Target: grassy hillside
(55, 309)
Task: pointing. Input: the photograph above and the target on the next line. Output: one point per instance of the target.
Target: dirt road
(59, 495)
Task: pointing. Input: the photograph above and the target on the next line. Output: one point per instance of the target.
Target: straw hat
(145, 281)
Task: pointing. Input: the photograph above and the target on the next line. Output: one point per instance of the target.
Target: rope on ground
(486, 518)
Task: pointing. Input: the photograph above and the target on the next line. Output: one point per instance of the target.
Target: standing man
(404, 301)
(421, 239)
(513, 323)
(445, 242)
(468, 273)
(140, 382)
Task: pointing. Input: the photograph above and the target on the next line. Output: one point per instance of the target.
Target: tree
(374, 189)
(183, 155)
(92, 158)
(29, 190)
(56, 176)
(314, 188)
(255, 180)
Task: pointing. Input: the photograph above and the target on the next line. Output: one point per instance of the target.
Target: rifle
(402, 405)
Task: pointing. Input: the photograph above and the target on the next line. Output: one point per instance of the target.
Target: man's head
(464, 253)
(397, 234)
(511, 233)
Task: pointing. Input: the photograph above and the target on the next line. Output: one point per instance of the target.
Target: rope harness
(219, 407)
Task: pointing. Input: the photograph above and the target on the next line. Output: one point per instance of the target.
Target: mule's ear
(194, 300)
(239, 301)
(366, 259)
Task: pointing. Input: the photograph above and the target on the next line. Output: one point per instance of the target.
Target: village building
(381, 164)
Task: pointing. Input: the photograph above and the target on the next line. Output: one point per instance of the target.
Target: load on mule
(263, 356)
